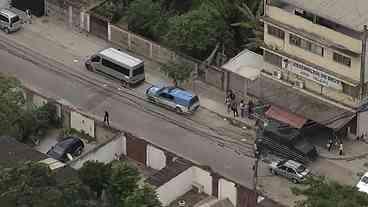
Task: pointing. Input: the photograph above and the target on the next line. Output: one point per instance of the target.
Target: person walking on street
(242, 108)
(29, 16)
(330, 144)
(106, 118)
(234, 108)
(341, 148)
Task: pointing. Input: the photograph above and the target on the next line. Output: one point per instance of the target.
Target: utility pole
(257, 154)
(363, 61)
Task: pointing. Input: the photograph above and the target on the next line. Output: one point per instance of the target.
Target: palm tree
(252, 11)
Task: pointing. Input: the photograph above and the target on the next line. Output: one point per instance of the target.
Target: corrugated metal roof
(286, 117)
(246, 64)
(352, 14)
(121, 57)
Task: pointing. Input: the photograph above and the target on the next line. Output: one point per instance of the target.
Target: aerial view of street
(201, 103)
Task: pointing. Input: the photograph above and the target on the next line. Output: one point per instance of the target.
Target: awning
(293, 101)
(278, 114)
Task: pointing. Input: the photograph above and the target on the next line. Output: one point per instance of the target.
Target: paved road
(126, 116)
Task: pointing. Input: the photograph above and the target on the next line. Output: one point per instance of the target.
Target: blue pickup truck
(180, 100)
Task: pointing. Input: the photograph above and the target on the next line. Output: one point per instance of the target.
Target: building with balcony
(315, 60)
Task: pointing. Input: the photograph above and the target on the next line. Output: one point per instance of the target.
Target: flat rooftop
(352, 14)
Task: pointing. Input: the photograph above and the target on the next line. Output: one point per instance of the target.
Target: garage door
(98, 26)
(136, 148)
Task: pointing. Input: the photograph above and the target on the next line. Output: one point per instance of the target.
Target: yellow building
(315, 49)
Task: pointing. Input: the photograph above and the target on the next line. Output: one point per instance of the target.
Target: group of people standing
(246, 110)
(338, 144)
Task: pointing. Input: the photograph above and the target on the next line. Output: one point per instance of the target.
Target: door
(291, 174)
(167, 100)
(283, 171)
(136, 148)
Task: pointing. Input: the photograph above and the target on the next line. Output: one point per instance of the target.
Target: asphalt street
(126, 116)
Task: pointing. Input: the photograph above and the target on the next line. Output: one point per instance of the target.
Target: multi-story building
(316, 48)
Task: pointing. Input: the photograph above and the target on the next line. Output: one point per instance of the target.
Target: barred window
(342, 59)
(276, 32)
(305, 44)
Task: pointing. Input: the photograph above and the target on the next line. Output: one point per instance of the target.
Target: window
(3, 18)
(273, 59)
(276, 32)
(167, 96)
(341, 59)
(14, 19)
(115, 67)
(138, 71)
(305, 44)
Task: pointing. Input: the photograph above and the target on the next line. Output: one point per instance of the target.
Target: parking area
(51, 139)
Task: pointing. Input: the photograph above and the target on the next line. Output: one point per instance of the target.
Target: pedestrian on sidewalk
(242, 109)
(250, 109)
(106, 118)
(341, 148)
(29, 16)
(234, 108)
(228, 100)
(329, 144)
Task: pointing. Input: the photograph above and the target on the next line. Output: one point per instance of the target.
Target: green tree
(123, 182)
(197, 32)
(145, 196)
(11, 104)
(321, 192)
(179, 71)
(96, 175)
(33, 184)
(251, 12)
(146, 17)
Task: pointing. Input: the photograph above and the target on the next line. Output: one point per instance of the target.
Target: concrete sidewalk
(81, 45)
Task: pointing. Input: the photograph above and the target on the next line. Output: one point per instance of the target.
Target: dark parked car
(69, 145)
(286, 142)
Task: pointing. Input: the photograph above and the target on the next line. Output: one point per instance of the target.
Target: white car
(363, 183)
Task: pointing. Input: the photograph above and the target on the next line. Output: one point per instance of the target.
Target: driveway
(51, 139)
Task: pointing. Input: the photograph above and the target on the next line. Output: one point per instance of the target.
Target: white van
(9, 21)
(117, 64)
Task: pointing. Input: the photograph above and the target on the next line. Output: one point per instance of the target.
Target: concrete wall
(82, 123)
(103, 153)
(227, 189)
(204, 178)
(156, 158)
(175, 187)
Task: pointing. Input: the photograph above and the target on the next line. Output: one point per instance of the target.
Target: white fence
(104, 153)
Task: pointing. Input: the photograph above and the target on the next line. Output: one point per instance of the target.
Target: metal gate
(237, 84)
(37, 7)
(136, 148)
(98, 26)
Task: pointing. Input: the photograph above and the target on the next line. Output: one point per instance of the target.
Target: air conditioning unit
(277, 74)
(299, 84)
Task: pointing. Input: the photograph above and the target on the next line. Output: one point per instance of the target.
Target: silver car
(290, 169)
(9, 21)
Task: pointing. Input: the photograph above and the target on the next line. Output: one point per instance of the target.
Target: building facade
(315, 55)
(305, 46)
